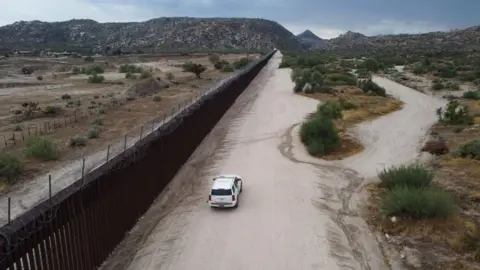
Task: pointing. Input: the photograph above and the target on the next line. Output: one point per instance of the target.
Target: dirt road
(295, 212)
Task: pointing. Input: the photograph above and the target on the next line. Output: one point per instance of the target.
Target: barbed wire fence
(51, 184)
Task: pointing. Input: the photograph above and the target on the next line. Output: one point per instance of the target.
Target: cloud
(61, 10)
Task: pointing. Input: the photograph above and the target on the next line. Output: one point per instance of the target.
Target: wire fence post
(9, 210)
(153, 124)
(50, 189)
(125, 143)
(141, 132)
(83, 172)
(108, 152)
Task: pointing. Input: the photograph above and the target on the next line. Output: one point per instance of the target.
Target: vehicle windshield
(221, 192)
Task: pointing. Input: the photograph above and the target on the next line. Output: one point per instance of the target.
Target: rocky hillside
(463, 39)
(174, 33)
(309, 38)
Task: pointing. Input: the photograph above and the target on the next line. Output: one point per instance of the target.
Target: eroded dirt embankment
(296, 212)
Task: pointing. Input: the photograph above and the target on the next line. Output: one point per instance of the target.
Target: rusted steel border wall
(82, 224)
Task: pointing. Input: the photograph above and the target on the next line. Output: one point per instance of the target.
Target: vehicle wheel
(236, 205)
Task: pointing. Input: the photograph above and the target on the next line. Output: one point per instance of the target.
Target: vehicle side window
(233, 189)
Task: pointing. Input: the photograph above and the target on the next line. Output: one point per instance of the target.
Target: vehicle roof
(227, 176)
(223, 183)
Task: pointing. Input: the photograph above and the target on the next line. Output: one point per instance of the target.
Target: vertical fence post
(23, 136)
(153, 124)
(83, 172)
(108, 152)
(50, 189)
(13, 139)
(141, 132)
(9, 210)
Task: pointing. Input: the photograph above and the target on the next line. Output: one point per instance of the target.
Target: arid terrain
(70, 106)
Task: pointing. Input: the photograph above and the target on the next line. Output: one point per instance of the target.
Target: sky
(326, 18)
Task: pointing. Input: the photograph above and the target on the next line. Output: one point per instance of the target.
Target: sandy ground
(296, 212)
(25, 196)
(397, 137)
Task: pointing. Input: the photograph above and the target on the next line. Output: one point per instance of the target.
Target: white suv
(225, 191)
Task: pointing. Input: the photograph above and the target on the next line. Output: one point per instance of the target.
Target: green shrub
(330, 108)
(341, 79)
(95, 78)
(77, 141)
(227, 68)
(94, 70)
(194, 68)
(40, 78)
(221, 64)
(157, 98)
(131, 76)
(368, 86)
(242, 62)
(214, 58)
(319, 135)
(98, 122)
(414, 176)
(471, 95)
(51, 110)
(417, 203)
(470, 149)
(89, 59)
(66, 96)
(170, 76)
(42, 148)
(10, 166)
(129, 68)
(93, 132)
(438, 86)
(455, 114)
(76, 70)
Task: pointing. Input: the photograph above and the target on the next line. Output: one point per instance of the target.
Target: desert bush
(77, 102)
(66, 96)
(242, 62)
(363, 73)
(331, 108)
(341, 79)
(227, 68)
(129, 68)
(98, 122)
(94, 70)
(455, 114)
(170, 76)
(89, 59)
(414, 176)
(157, 98)
(469, 149)
(471, 95)
(131, 76)
(302, 77)
(93, 132)
(371, 65)
(130, 96)
(368, 86)
(95, 78)
(77, 141)
(417, 203)
(76, 70)
(319, 135)
(42, 148)
(40, 77)
(194, 68)
(51, 110)
(220, 64)
(438, 86)
(10, 166)
(214, 58)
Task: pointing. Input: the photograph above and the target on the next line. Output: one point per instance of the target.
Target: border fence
(79, 226)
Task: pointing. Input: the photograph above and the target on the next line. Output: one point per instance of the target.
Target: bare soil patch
(79, 103)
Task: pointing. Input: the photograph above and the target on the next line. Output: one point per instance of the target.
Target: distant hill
(467, 39)
(309, 38)
(166, 33)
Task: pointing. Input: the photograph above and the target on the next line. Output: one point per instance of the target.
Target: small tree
(195, 68)
(455, 114)
(10, 167)
(371, 65)
(42, 148)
